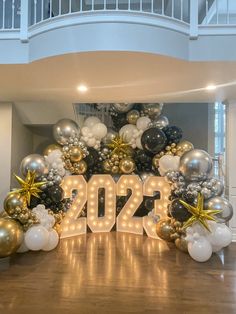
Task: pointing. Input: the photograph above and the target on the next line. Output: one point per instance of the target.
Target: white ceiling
(43, 91)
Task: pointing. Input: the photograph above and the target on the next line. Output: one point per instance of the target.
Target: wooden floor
(117, 273)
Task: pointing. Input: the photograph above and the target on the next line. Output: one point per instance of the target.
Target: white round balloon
(200, 250)
(127, 132)
(23, 248)
(169, 163)
(221, 236)
(53, 240)
(99, 130)
(91, 121)
(142, 123)
(36, 237)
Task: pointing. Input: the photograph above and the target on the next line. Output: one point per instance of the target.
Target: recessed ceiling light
(211, 87)
(82, 88)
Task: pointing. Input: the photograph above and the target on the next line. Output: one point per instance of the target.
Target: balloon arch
(139, 175)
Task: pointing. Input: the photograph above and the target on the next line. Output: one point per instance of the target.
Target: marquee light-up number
(71, 224)
(105, 223)
(125, 220)
(156, 184)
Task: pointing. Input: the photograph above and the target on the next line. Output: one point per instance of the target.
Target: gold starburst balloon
(199, 214)
(28, 186)
(118, 145)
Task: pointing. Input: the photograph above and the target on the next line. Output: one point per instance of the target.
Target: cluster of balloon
(93, 131)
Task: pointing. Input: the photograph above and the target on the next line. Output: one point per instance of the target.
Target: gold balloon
(132, 116)
(115, 169)
(11, 236)
(155, 161)
(81, 167)
(12, 201)
(164, 229)
(127, 165)
(181, 244)
(183, 147)
(76, 154)
(107, 165)
(50, 148)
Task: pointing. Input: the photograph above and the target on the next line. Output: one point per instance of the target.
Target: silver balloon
(161, 122)
(132, 116)
(36, 163)
(64, 129)
(152, 110)
(218, 187)
(220, 203)
(122, 107)
(196, 165)
(111, 134)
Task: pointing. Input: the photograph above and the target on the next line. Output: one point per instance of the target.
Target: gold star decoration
(28, 186)
(199, 214)
(118, 145)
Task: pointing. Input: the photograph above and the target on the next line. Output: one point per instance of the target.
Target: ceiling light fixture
(82, 88)
(210, 87)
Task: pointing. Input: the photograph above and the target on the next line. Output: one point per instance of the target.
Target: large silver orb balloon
(152, 110)
(220, 203)
(196, 165)
(122, 107)
(36, 163)
(161, 122)
(111, 134)
(64, 129)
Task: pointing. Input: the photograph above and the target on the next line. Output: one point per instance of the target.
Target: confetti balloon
(122, 107)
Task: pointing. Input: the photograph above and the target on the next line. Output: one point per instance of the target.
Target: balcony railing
(194, 16)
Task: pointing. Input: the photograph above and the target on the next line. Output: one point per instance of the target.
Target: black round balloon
(173, 134)
(92, 157)
(179, 212)
(153, 140)
(143, 161)
(55, 193)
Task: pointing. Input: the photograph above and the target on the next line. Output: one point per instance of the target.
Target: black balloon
(179, 212)
(143, 161)
(173, 134)
(153, 140)
(55, 193)
(92, 157)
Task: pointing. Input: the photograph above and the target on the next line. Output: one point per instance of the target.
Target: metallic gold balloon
(11, 236)
(76, 154)
(12, 201)
(115, 169)
(127, 165)
(182, 244)
(183, 147)
(132, 116)
(50, 148)
(81, 167)
(107, 165)
(155, 161)
(164, 229)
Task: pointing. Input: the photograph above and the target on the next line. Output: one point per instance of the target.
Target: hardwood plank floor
(117, 273)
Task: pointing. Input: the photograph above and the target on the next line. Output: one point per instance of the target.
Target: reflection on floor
(117, 273)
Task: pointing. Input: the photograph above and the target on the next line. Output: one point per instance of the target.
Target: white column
(5, 149)
(231, 161)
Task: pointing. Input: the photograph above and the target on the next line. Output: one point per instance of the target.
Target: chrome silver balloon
(222, 204)
(64, 130)
(122, 107)
(218, 187)
(161, 122)
(36, 163)
(152, 110)
(196, 165)
(111, 134)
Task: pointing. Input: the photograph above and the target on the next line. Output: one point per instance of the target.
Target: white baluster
(172, 8)
(217, 12)
(42, 9)
(35, 11)
(227, 12)
(116, 4)
(69, 6)
(59, 8)
(92, 5)
(81, 5)
(13, 14)
(181, 10)
(141, 5)
(162, 7)
(128, 5)
(3, 15)
(207, 8)
(50, 9)
(152, 6)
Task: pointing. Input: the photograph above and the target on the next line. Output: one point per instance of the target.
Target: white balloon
(169, 163)
(127, 132)
(91, 142)
(138, 142)
(36, 237)
(221, 236)
(85, 131)
(53, 240)
(99, 130)
(216, 249)
(200, 250)
(23, 248)
(142, 123)
(91, 121)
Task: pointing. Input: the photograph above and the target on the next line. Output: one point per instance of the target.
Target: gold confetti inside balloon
(11, 236)
(127, 165)
(164, 229)
(183, 147)
(76, 154)
(12, 201)
(50, 148)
